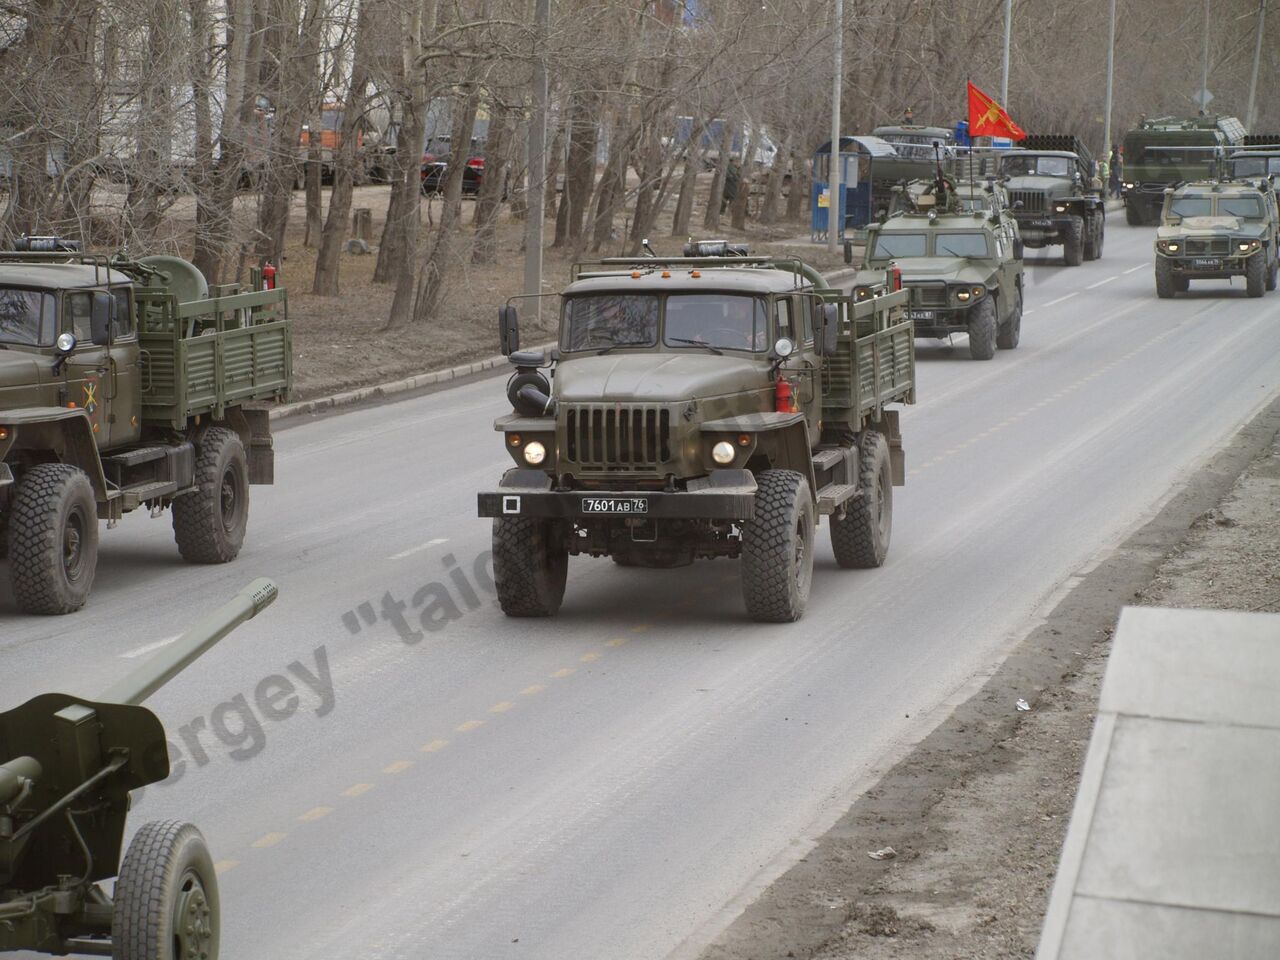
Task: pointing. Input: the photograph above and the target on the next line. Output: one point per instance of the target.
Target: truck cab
(1054, 199)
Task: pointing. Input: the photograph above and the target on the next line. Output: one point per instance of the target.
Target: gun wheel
(166, 900)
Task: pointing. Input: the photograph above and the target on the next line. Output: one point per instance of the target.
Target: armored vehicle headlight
(1172, 247)
(534, 453)
(723, 452)
(1060, 208)
(1246, 245)
(1129, 186)
(962, 295)
(979, 291)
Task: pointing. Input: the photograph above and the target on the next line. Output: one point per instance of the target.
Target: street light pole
(1251, 115)
(1008, 39)
(1111, 75)
(536, 188)
(1204, 69)
(834, 208)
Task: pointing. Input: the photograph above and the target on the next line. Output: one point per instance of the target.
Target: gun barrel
(14, 772)
(164, 665)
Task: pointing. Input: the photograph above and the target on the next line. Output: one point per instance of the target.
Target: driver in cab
(716, 322)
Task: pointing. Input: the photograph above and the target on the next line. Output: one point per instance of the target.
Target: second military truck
(700, 407)
(128, 384)
(1051, 189)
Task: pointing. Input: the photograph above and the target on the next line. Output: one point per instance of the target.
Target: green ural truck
(1165, 151)
(703, 406)
(1051, 188)
(1216, 230)
(128, 384)
(962, 272)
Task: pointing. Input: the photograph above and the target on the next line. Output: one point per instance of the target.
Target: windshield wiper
(622, 343)
(696, 343)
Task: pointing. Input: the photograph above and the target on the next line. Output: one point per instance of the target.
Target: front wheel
(860, 538)
(166, 896)
(777, 548)
(1271, 274)
(1073, 247)
(982, 329)
(1132, 215)
(209, 523)
(1165, 280)
(1011, 330)
(530, 565)
(53, 539)
(1255, 275)
(1093, 237)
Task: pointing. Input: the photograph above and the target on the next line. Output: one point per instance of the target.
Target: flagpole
(1008, 37)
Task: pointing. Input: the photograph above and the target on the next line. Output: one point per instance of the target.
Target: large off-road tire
(1255, 275)
(1271, 274)
(1165, 280)
(1073, 245)
(53, 539)
(1011, 330)
(166, 897)
(1094, 226)
(1181, 284)
(530, 565)
(860, 539)
(1133, 216)
(777, 548)
(210, 522)
(982, 329)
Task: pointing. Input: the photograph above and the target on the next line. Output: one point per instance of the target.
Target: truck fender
(64, 432)
(253, 427)
(786, 447)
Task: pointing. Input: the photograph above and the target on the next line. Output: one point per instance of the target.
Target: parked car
(435, 166)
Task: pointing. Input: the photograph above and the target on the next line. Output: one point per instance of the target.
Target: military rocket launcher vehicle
(68, 766)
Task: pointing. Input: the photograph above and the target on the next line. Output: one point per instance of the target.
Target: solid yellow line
(400, 766)
(357, 790)
(433, 746)
(502, 707)
(563, 672)
(268, 840)
(640, 628)
(619, 641)
(316, 813)
(469, 725)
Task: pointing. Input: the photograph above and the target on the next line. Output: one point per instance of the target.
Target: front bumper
(1210, 267)
(1044, 228)
(723, 495)
(938, 322)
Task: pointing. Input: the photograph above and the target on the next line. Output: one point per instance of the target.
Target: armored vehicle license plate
(615, 505)
(1041, 223)
(1207, 263)
(921, 314)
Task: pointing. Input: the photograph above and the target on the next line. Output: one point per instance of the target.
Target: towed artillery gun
(69, 766)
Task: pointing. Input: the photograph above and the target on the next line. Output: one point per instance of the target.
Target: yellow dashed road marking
(588, 657)
(400, 766)
(268, 840)
(433, 746)
(640, 628)
(316, 813)
(502, 707)
(357, 790)
(562, 673)
(469, 725)
(222, 866)
(530, 690)
(619, 641)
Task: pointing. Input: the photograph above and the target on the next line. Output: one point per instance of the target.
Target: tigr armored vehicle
(1216, 230)
(1165, 151)
(67, 767)
(127, 384)
(962, 271)
(1051, 188)
(700, 407)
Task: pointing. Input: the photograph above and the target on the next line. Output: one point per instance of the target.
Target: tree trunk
(688, 181)
(493, 189)
(738, 210)
(711, 219)
(315, 199)
(773, 185)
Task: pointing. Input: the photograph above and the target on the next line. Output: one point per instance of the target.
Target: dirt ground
(977, 812)
(342, 343)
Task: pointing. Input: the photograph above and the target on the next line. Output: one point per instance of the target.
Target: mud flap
(261, 447)
(897, 456)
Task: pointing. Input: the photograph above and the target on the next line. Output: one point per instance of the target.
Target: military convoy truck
(128, 384)
(1215, 230)
(1051, 188)
(962, 271)
(1163, 152)
(698, 407)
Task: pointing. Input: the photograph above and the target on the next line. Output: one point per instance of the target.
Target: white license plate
(615, 505)
(1041, 223)
(1206, 263)
(921, 314)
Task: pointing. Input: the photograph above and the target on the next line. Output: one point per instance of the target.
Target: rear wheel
(1011, 330)
(530, 565)
(982, 329)
(210, 522)
(166, 896)
(1093, 236)
(860, 538)
(1073, 246)
(1255, 275)
(1165, 280)
(53, 539)
(777, 548)
(1132, 215)
(1271, 274)
(1181, 284)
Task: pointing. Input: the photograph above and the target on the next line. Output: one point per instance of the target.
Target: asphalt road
(605, 783)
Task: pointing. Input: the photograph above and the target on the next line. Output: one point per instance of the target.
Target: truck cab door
(87, 369)
(126, 370)
(101, 376)
(795, 321)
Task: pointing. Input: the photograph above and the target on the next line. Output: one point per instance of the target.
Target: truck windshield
(1246, 208)
(611, 320)
(26, 317)
(722, 320)
(1191, 207)
(1045, 166)
(899, 245)
(1254, 166)
(960, 245)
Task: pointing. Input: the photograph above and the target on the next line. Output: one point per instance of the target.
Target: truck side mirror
(100, 319)
(508, 329)
(829, 335)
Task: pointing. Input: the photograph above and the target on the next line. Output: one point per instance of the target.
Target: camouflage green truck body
(1162, 152)
(1050, 180)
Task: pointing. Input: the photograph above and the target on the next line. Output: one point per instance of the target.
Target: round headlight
(1060, 209)
(979, 291)
(723, 452)
(66, 343)
(1244, 245)
(534, 453)
(962, 295)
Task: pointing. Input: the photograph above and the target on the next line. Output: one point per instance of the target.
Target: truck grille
(1215, 246)
(928, 294)
(1032, 200)
(617, 437)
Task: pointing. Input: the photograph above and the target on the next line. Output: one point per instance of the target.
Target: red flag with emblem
(988, 119)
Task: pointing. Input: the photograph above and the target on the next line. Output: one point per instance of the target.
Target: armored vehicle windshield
(1244, 208)
(720, 321)
(891, 245)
